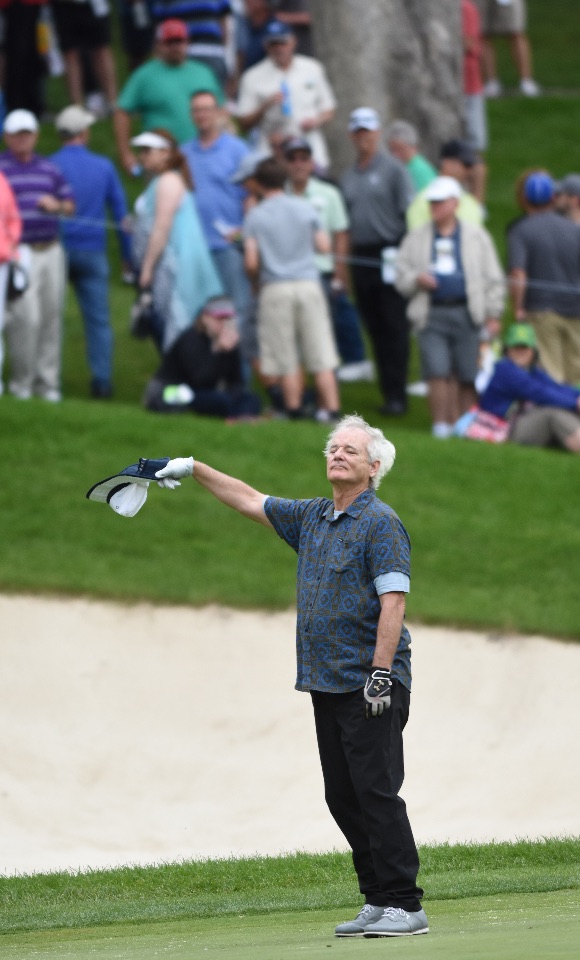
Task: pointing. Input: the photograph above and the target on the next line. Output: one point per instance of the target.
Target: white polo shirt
(310, 94)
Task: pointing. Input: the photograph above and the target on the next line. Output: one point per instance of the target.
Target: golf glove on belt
(377, 691)
(175, 471)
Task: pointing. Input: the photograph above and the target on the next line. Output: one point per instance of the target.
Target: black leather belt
(449, 303)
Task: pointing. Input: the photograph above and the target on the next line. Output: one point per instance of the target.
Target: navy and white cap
(249, 164)
(364, 118)
(126, 491)
(277, 32)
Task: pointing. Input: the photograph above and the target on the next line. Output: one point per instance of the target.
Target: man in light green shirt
(456, 160)
(403, 142)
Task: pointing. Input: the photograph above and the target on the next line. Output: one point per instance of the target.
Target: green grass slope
(495, 532)
(294, 883)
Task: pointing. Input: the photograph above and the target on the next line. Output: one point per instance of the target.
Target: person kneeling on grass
(202, 371)
(540, 411)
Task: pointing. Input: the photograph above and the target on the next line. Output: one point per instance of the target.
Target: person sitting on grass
(202, 371)
(541, 411)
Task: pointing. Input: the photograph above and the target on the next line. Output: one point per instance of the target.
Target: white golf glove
(175, 471)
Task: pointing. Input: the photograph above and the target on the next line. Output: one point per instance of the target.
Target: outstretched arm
(234, 493)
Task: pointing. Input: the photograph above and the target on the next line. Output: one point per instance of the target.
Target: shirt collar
(356, 507)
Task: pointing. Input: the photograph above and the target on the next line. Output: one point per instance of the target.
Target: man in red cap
(160, 91)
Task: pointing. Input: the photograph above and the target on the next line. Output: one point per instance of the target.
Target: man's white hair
(401, 130)
(378, 447)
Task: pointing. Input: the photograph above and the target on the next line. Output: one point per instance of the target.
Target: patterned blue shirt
(337, 601)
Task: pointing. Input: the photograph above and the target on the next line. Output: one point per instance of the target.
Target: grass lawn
(507, 927)
(507, 901)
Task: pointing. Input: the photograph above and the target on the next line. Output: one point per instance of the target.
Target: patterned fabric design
(338, 606)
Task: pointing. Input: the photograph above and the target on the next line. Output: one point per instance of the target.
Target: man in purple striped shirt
(34, 320)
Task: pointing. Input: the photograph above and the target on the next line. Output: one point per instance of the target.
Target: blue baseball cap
(539, 189)
(277, 32)
(126, 491)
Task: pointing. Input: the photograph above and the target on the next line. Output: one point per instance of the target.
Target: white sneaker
(529, 87)
(493, 88)
(418, 389)
(356, 372)
(52, 396)
(441, 431)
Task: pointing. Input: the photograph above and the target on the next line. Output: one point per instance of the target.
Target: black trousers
(384, 314)
(25, 67)
(363, 770)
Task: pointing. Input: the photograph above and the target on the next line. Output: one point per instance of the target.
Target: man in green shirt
(403, 142)
(160, 91)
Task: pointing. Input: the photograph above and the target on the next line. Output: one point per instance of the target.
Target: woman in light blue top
(169, 248)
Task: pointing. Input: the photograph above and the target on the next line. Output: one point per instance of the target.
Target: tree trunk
(402, 57)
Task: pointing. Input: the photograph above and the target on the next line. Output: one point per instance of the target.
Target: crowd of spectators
(254, 263)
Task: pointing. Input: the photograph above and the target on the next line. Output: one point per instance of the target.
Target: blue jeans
(88, 271)
(229, 263)
(345, 323)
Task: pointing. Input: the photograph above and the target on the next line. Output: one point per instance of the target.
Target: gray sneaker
(356, 927)
(397, 923)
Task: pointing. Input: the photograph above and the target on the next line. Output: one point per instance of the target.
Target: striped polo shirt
(30, 181)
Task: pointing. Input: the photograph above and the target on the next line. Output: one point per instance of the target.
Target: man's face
(451, 167)
(300, 166)
(258, 11)
(442, 211)
(281, 52)
(347, 463)
(173, 52)
(21, 144)
(366, 142)
(400, 150)
(205, 113)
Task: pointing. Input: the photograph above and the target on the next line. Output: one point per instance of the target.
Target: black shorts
(77, 26)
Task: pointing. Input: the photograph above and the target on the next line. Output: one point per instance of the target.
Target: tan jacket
(484, 277)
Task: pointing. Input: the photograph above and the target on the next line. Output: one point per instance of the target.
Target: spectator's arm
(322, 241)
(341, 250)
(249, 120)
(122, 130)
(251, 258)
(170, 192)
(518, 281)
(312, 123)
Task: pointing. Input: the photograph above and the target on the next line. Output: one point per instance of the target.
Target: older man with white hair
(403, 143)
(451, 274)
(354, 658)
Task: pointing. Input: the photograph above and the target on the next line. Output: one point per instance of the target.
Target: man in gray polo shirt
(378, 190)
(281, 236)
(544, 262)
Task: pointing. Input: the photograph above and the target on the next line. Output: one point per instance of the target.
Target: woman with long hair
(171, 255)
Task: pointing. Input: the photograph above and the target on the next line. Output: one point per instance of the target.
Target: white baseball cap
(364, 118)
(443, 188)
(74, 119)
(153, 140)
(20, 121)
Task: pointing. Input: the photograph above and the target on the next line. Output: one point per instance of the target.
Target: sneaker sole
(342, 935)
(410, 933)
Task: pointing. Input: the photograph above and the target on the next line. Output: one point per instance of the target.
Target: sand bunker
(116, 747)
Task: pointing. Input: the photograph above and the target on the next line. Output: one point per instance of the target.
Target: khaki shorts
(544, 427)
(294, 329)
(558, 344)
(503, 19)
